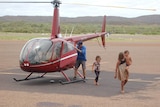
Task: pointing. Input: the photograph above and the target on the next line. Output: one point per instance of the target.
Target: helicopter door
(68, 55)
(57, 50)
(56, 55)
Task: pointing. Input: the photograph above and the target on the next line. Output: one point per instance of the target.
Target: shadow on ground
(108, 85)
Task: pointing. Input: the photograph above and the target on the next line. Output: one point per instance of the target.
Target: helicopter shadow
(50, 84)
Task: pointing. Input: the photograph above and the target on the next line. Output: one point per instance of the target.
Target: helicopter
(54, 54)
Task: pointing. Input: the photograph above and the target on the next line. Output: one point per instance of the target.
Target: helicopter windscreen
(37, 51)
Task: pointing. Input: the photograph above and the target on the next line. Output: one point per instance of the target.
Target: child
(121, 70)
(96, 68)
(128, 63)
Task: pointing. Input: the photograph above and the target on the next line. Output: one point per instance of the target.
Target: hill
(112, 20)
(148, 25)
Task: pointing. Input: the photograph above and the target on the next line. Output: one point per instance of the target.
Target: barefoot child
(128, 63)
(96, 68)
(121, 70)
(128, 58)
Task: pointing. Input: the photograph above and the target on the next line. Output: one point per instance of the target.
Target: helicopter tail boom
(103, 30)
(86, 37)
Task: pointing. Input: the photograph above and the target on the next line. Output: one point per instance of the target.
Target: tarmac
(142, 90)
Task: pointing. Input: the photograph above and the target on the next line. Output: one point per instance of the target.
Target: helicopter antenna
(65, 33)
(72, 31)
(98, 42)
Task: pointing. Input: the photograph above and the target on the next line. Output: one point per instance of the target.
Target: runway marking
(139, 80)
(157, 78)
(91, 78)
(7, 73)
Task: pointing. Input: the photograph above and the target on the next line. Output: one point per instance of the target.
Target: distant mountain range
(112, 20)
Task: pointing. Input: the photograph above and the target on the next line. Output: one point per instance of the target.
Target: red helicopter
(54, 54)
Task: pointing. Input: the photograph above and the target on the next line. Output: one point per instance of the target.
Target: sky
(68, 10)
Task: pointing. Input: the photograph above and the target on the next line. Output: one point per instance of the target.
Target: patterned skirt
(122, 72)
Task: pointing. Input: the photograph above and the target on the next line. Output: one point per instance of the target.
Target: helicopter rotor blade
(83, 4)
(24, 2)
(148, 9)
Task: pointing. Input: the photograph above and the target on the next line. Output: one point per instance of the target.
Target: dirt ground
(145, 70)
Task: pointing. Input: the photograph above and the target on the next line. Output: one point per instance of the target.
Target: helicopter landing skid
(27, 78)
(72, 81)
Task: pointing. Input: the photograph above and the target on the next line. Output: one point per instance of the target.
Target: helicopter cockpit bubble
(37, 51)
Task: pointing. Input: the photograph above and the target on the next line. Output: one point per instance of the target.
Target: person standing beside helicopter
(96, 68)
(81, 59)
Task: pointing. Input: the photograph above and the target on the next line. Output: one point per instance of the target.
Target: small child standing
(127, 57)
(128, 63)
(96, 68)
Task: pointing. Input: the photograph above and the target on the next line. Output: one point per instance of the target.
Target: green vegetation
(79, 28)
(134, 29)
(24, 27)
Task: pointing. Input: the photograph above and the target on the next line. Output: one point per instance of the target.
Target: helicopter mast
(55, 21)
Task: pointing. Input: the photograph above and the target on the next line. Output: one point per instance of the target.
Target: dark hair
(79, 43)
(97, 57)
(126, 51)
(120, 56)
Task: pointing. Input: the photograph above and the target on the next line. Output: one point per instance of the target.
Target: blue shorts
(79, 62)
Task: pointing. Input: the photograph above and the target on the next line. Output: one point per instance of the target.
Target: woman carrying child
(121, 70)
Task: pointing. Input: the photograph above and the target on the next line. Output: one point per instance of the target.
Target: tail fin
(103, 30)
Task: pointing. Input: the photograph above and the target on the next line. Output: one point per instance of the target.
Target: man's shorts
(79, 62)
